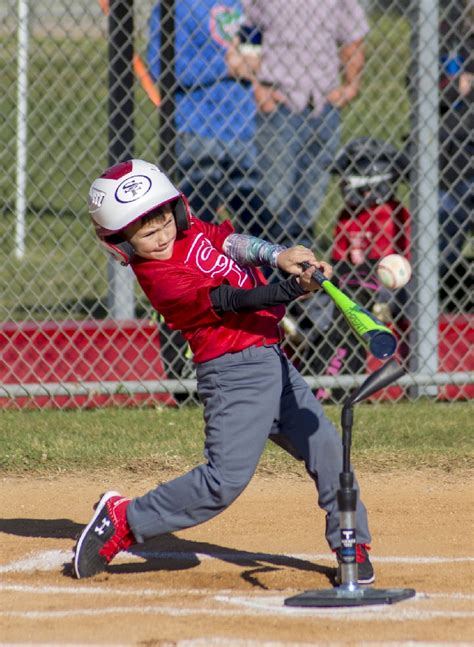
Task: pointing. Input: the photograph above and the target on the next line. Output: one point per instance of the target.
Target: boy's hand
(306, 277)
(290, 259)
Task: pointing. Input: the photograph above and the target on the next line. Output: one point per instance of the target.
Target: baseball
(393, 271)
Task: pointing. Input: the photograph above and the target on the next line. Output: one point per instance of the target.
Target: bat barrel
(381, 344)
(379, 339)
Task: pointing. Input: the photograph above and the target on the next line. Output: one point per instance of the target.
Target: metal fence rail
(82, 90)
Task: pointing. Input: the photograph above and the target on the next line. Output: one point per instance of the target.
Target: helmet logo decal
(96, 197)
(133, 188)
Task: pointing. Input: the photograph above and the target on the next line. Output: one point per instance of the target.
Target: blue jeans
(455, 209)
(294, 152)
(215, 174)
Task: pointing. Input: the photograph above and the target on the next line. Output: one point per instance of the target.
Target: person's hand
(342, 95)
(466, 83)
(290, 259)
(306, 277)
(352, 59)
(240, 65)
(267, 98)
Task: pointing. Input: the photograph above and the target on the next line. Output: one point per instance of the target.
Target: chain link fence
(92, 83)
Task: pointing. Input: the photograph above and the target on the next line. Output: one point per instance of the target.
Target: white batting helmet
(125, 193)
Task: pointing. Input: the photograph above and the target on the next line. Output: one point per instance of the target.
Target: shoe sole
(369, 580)
(100, 564)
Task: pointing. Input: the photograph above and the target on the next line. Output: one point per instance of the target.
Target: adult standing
(312, 59)
(215, 112)
(456, 138)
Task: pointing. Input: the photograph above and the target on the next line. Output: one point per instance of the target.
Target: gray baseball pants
(247, 396)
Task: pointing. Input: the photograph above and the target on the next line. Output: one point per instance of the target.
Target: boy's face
(154, 239)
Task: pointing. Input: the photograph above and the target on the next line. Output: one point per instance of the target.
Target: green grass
(385, 437)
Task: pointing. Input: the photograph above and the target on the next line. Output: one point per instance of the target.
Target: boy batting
(204, 280)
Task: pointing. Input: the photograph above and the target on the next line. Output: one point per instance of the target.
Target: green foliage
(66, 268)
(381, 110)
(67, 122)
(67, 147)
(385, 436)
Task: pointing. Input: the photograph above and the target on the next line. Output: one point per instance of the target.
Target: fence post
(167, 133)
(425, 188)
(120, 299)
(22, 128)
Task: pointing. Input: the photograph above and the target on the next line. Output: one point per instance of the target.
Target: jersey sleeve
(215, 233)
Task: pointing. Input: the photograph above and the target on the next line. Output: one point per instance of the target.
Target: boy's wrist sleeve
(249, 250)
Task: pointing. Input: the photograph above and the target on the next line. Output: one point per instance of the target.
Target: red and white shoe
(365, 570)
(106, 535)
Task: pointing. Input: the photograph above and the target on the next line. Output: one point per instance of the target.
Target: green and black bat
(379, 339)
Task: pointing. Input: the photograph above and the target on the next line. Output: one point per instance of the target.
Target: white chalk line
(245, 606)
(248, 604)
(45, 560)
(76, 644)
(226, 642)
(322, 557)
(53, 559)
(80, 589)
(243, 642)
(254, 604)
(408, 611)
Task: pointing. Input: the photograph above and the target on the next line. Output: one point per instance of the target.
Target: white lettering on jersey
(210, 261)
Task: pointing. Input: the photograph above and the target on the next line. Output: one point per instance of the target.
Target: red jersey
(372, 233)
(179, 289)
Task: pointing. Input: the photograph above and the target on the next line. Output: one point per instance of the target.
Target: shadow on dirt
(52, 528)
(169, 552)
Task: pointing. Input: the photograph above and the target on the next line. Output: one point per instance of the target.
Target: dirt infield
(224, 583)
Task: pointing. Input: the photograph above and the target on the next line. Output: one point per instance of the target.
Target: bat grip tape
(318, 276)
